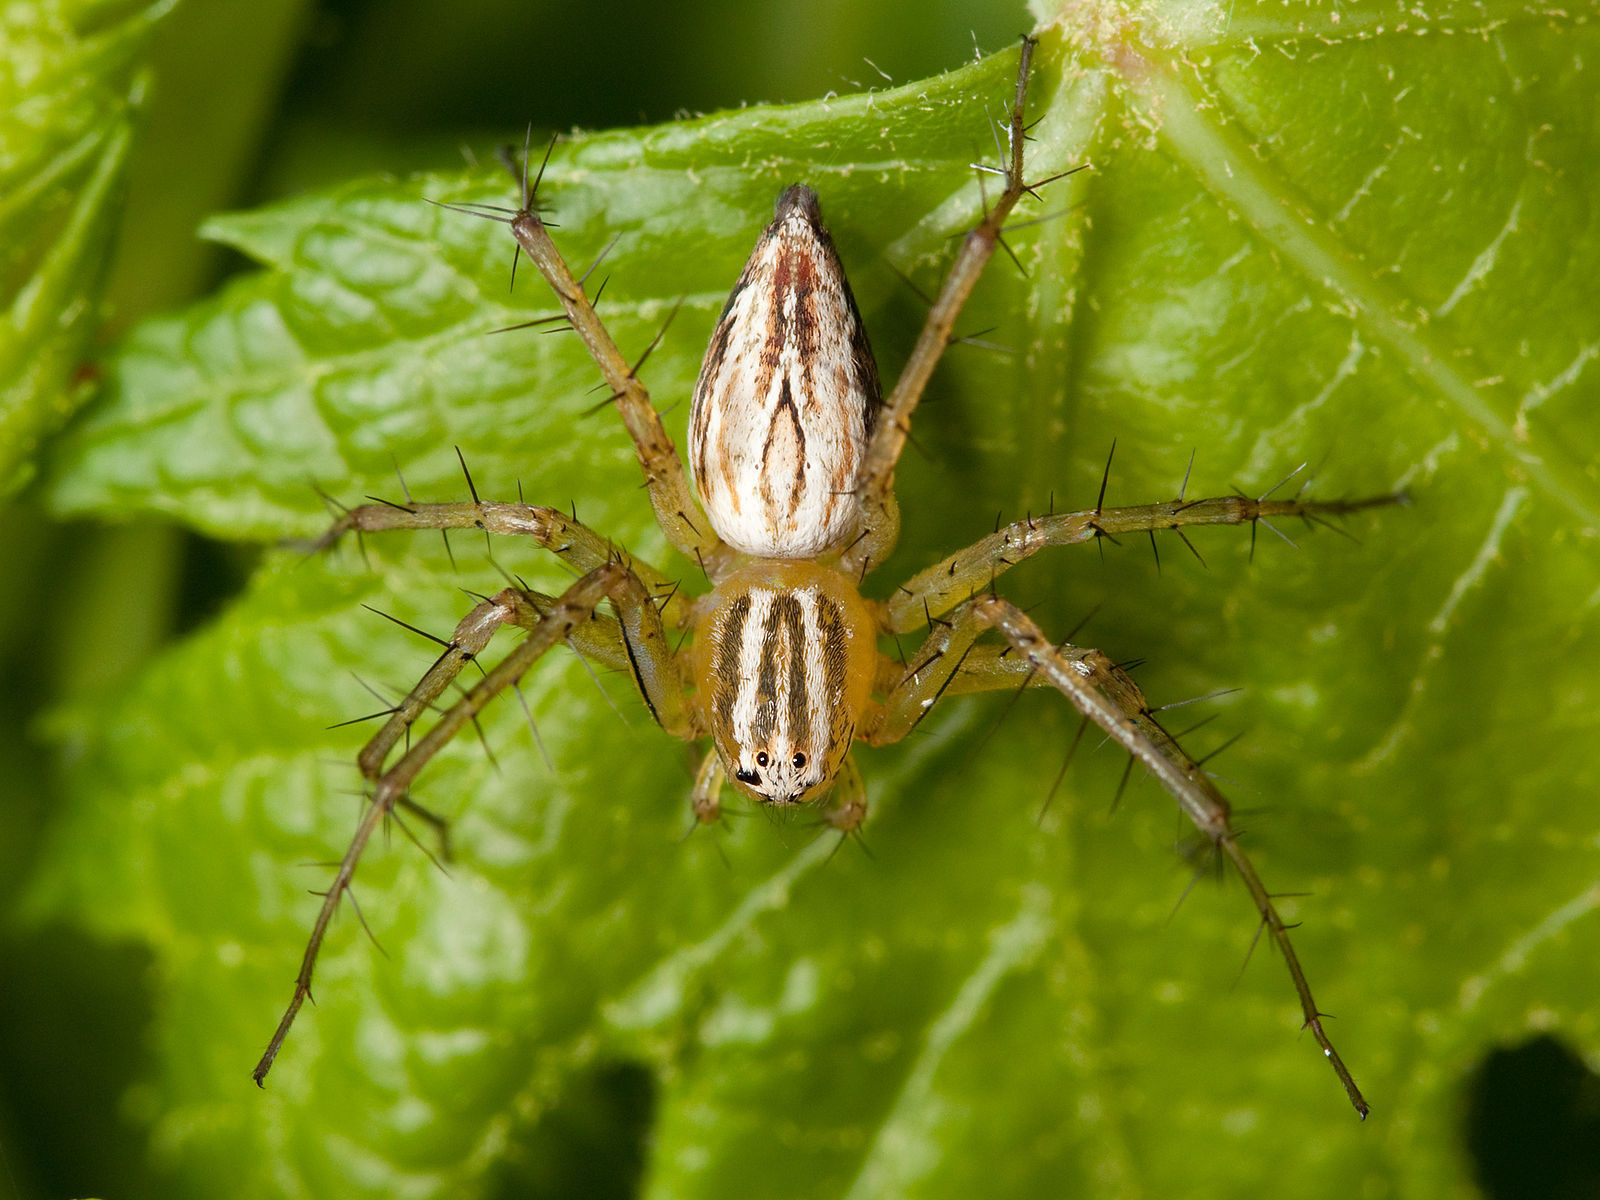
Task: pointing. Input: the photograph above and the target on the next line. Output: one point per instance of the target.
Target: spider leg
(973, 569)
(672, 498)
(569, 540)
(637, 642)
(1105, 694)
(549, 623)
(878, 514)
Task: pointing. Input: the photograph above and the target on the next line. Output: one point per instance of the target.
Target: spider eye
(799, 762)
(747, 777)
(761, 759)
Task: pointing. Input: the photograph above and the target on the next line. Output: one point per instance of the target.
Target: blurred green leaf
(1307, 234)
(70, 83)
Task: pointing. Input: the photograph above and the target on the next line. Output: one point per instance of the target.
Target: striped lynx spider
(793, 450)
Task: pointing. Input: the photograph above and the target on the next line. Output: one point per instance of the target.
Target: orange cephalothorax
(785, 656)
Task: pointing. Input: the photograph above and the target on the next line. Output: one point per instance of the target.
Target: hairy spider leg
(1105, 694)
(654, 669)
(574, 543)
(676, 509)
(878, 510)
(971, 570)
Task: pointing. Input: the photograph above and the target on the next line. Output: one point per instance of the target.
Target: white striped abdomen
(786, 397)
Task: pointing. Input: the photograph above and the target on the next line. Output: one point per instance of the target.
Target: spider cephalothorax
(794, 455)
(784, 662)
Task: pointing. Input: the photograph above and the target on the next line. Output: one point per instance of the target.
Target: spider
(793, 450)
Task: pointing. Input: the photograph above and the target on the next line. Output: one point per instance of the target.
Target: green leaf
(69, 86)
(1309, 234)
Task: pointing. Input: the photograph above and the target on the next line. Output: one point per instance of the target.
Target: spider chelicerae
(793, 450)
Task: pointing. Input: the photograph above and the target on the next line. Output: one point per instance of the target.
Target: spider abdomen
(786, 397)
(786, 656)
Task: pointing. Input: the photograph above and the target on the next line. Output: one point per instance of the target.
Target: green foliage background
(1358, 234)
